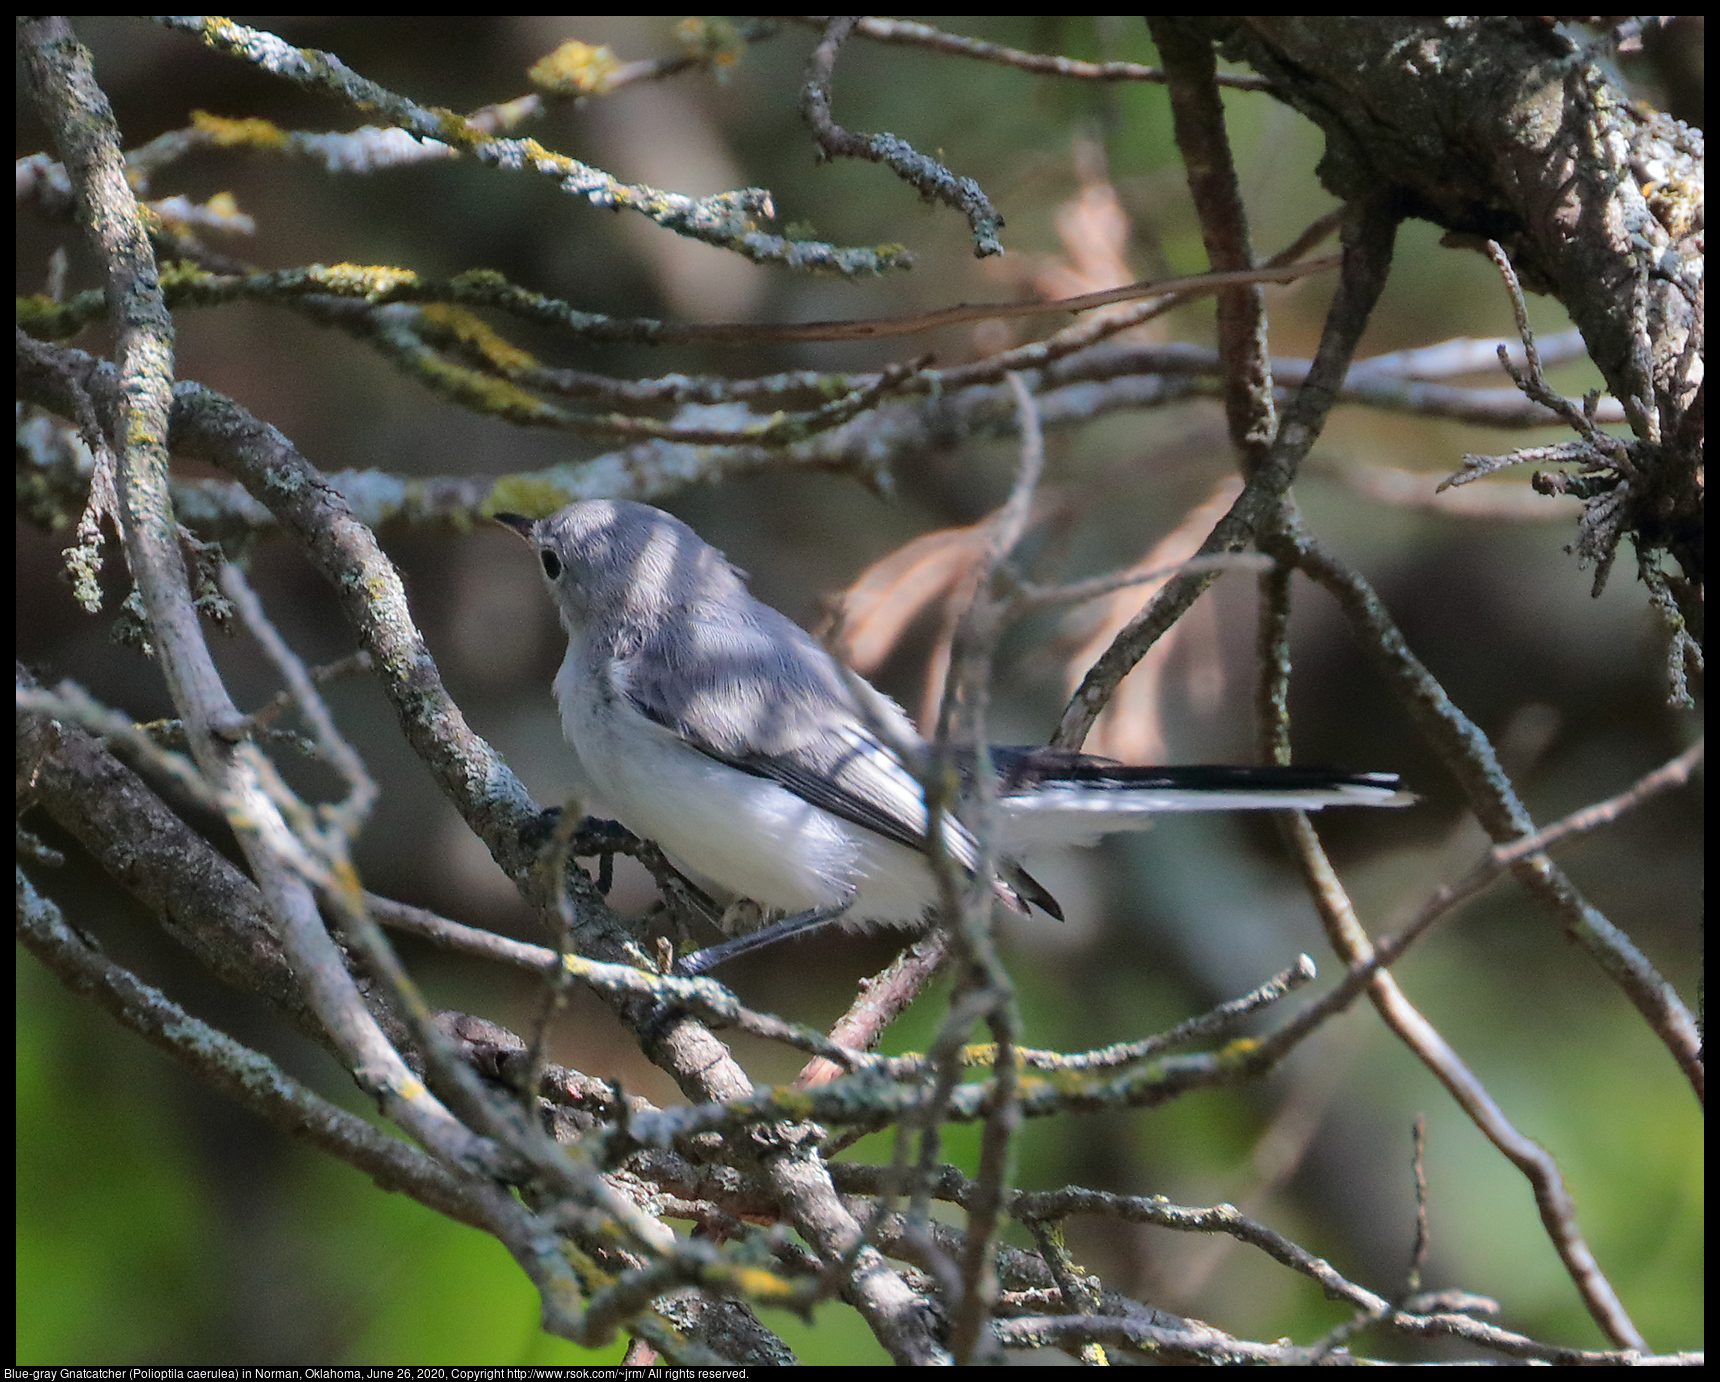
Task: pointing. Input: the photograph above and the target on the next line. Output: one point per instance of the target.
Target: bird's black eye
(551, 564)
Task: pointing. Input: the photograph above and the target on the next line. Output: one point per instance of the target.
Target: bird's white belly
(735, 833)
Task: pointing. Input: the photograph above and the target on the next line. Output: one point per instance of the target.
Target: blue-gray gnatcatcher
(707, 721)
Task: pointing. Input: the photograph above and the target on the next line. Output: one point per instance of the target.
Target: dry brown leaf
(1131, 729)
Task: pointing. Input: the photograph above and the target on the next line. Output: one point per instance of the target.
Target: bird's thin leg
(796, 924)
